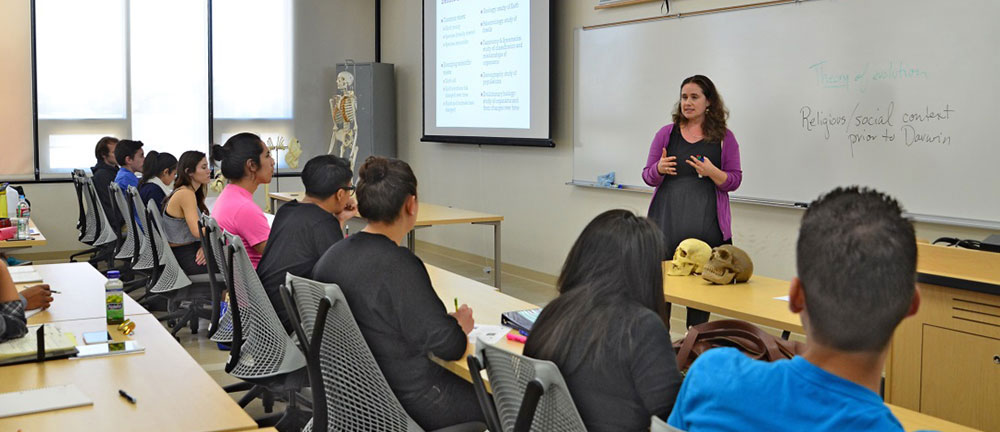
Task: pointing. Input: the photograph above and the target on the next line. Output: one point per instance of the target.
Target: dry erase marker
(516, 338)
(700, 159)
(130, 399)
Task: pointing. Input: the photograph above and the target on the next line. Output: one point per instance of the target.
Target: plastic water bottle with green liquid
(113, 298)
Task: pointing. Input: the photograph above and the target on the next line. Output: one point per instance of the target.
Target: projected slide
(483, 78)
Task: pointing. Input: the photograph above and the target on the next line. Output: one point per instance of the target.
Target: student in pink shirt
(246, 163)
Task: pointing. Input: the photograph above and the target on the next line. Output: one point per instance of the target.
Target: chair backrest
(145, 259)
(103, 234)
(171, 277)
(529, 394)
(657, 425)
(81, 221)
(212, 247)
(129, 240)
(217, 238)
(349, 390)
(260, 346)
(304, 296)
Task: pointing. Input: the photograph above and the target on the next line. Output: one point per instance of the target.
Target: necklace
(694, 137)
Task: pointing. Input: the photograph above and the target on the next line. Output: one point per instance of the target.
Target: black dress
(685, 205)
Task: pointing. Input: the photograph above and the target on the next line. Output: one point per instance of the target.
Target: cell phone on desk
(110, 348)
(96, 337)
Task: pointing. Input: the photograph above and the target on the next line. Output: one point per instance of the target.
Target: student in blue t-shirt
(856, 259)
(130, 158)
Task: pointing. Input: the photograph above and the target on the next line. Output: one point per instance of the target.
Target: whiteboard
(899, 95)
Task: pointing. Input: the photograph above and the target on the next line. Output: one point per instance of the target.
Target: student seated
(302, 232)
(856, 259)
(13, 324)
(246, 163)
(158, 171)
(104, 173)
(606, 329)
(130, 158)
(391, 297)
(182, 209)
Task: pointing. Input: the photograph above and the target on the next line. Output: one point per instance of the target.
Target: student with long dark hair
(183, 207)
(391, 297)
(158, 171)
(246, 163)
(606, 329)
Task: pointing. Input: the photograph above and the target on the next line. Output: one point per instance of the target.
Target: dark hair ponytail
(155, 164)
(383, 186)
(238, 149)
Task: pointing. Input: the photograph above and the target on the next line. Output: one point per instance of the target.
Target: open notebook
(24, 274)
(57, 344)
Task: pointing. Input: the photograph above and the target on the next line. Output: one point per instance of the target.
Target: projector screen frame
(484, 140)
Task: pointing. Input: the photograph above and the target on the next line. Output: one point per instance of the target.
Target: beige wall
(527, 185)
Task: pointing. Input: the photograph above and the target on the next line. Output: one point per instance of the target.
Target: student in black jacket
(104, 173)
(303, 231)
(391, 297)
(606, 329)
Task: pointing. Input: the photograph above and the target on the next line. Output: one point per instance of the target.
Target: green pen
(456, 304)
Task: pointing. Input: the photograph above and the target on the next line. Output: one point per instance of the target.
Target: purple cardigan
(730, 164)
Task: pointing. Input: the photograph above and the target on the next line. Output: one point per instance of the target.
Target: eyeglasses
(350, 189)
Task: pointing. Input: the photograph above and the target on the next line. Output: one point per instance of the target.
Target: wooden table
(487, 305)
(173, 392)
(915, 421)
(486, 302)
(81, 293)
(36, 239)
(431, 215)
(753, 301)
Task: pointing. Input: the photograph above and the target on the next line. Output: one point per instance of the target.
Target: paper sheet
(490, 334)
(41, 400)
(782, 298)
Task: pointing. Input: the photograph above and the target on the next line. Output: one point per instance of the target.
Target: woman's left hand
(703, 167)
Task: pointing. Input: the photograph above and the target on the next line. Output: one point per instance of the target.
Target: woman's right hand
(667, 164)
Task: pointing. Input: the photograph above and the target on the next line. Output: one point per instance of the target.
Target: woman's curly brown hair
(714, 127)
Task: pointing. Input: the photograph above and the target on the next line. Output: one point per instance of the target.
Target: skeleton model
(344, 107)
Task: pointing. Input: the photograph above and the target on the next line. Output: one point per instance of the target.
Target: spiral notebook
(41, 400)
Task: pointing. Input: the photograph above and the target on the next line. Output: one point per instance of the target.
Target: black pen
(127, 397)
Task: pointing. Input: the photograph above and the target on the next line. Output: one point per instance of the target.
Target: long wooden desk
(431, 215)
(173, 392)
(487, 304)
(81, 293)
(37, 239)
(753, 301)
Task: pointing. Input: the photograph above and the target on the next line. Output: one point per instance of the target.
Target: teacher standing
(694, 163)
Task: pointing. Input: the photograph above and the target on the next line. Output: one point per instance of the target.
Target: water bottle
(113, 297)
(23, 212)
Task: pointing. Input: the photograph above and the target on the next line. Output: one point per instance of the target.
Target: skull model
(729, 264)
(690, 256)
(344, 80)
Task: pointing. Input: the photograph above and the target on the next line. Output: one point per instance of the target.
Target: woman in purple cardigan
(694, 163)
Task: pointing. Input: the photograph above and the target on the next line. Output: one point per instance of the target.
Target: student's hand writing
(464, 317)
(350, 210)
(38, 296)
(199, 258)
(667, 164)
